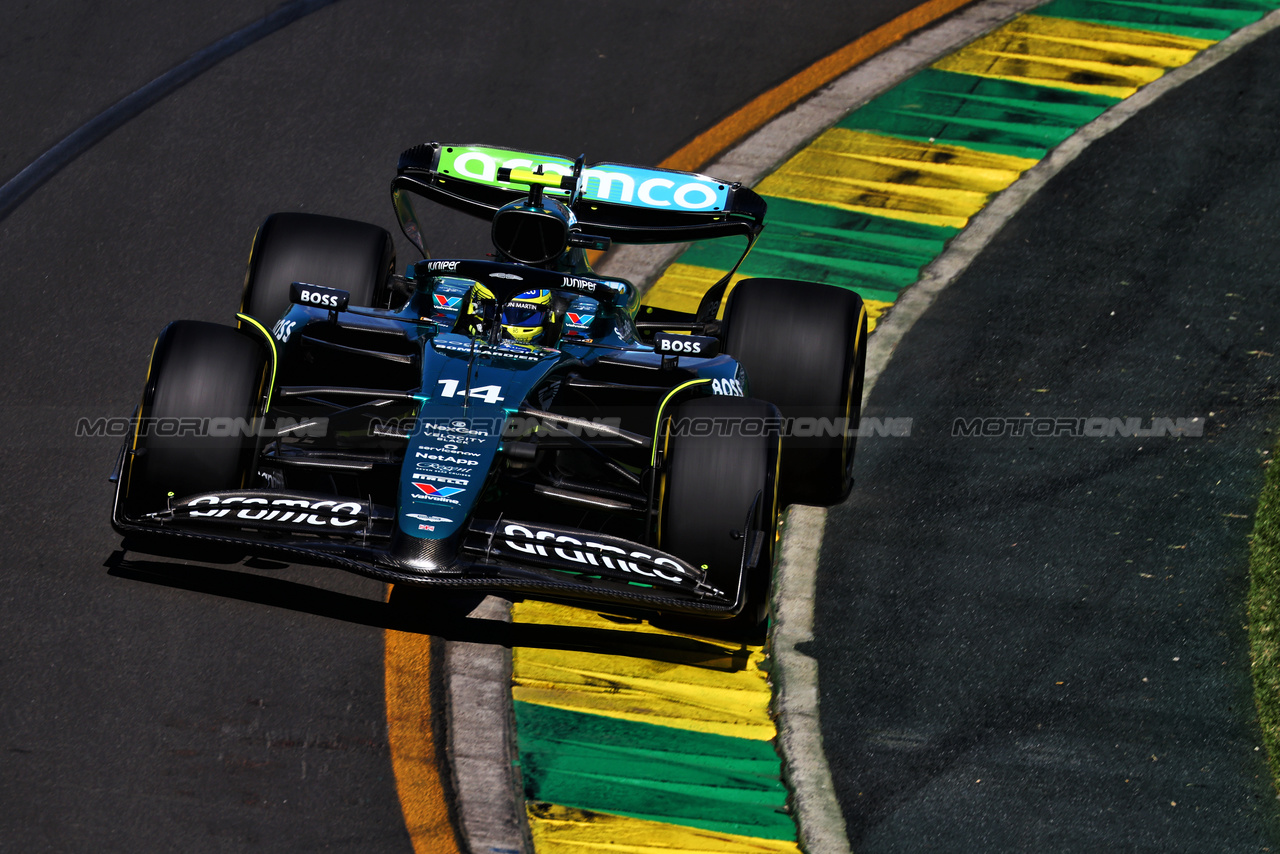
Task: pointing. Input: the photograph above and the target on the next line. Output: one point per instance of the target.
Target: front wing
(503, 556)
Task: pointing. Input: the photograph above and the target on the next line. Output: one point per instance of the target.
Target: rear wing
(628, 204)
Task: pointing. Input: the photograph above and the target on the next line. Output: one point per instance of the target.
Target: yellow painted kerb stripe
(1076, 55)
(647, 675)
(930, 183)
(565, 830)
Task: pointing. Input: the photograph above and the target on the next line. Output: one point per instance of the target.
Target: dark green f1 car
(517, 425)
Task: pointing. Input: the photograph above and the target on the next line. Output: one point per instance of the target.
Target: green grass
(1264, 614)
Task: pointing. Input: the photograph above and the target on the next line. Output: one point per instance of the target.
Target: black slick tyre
(203, 395)
(357, 257)
(719, 490)
(804, 348)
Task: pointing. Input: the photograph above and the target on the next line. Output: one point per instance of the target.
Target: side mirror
(578, 240)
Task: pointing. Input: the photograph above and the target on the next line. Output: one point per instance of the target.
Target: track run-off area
(552, 729)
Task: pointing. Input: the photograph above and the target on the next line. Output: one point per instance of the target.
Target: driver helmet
(525, 317)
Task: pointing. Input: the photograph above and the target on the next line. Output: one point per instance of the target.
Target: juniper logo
(1093, 428)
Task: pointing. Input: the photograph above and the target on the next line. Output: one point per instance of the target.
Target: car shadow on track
(436, 613)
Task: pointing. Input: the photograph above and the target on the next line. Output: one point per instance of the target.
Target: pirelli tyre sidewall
(803, 346)
(289, 247)
(711, 478)
(199, 413)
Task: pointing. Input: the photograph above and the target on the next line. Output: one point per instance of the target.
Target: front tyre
(199, 412)
(719, 491)
(804, 348)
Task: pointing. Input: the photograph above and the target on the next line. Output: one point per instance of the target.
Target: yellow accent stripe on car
(137, 426)
(528, 176)
(275, 354)
(657, 424)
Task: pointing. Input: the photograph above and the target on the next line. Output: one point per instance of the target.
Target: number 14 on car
(487, 393)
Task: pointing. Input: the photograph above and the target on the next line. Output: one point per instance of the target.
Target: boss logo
(726, 386)
(704, 347)
(672, 345)
(318, 297)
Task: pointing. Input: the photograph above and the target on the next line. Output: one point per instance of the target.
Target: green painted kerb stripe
(1200, 20)
(985, 114)
(824, 244)
(714, 782)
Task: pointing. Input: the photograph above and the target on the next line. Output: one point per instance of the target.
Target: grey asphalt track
(153, 705)
(1037, 643)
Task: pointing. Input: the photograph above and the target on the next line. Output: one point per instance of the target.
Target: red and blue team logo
(437, 491)
(445, 302)
(579, 319)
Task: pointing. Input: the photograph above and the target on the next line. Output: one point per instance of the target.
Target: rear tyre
(719, 489)
(199, 372)
(320, 250)
(804, 348)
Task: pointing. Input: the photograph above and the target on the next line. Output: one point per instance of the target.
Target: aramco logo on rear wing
(604, 182)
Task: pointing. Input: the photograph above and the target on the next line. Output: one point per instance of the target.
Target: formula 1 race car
(516, 425)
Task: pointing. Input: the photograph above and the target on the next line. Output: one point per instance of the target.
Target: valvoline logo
(579, 319)
(443, 301)
(437, 491)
